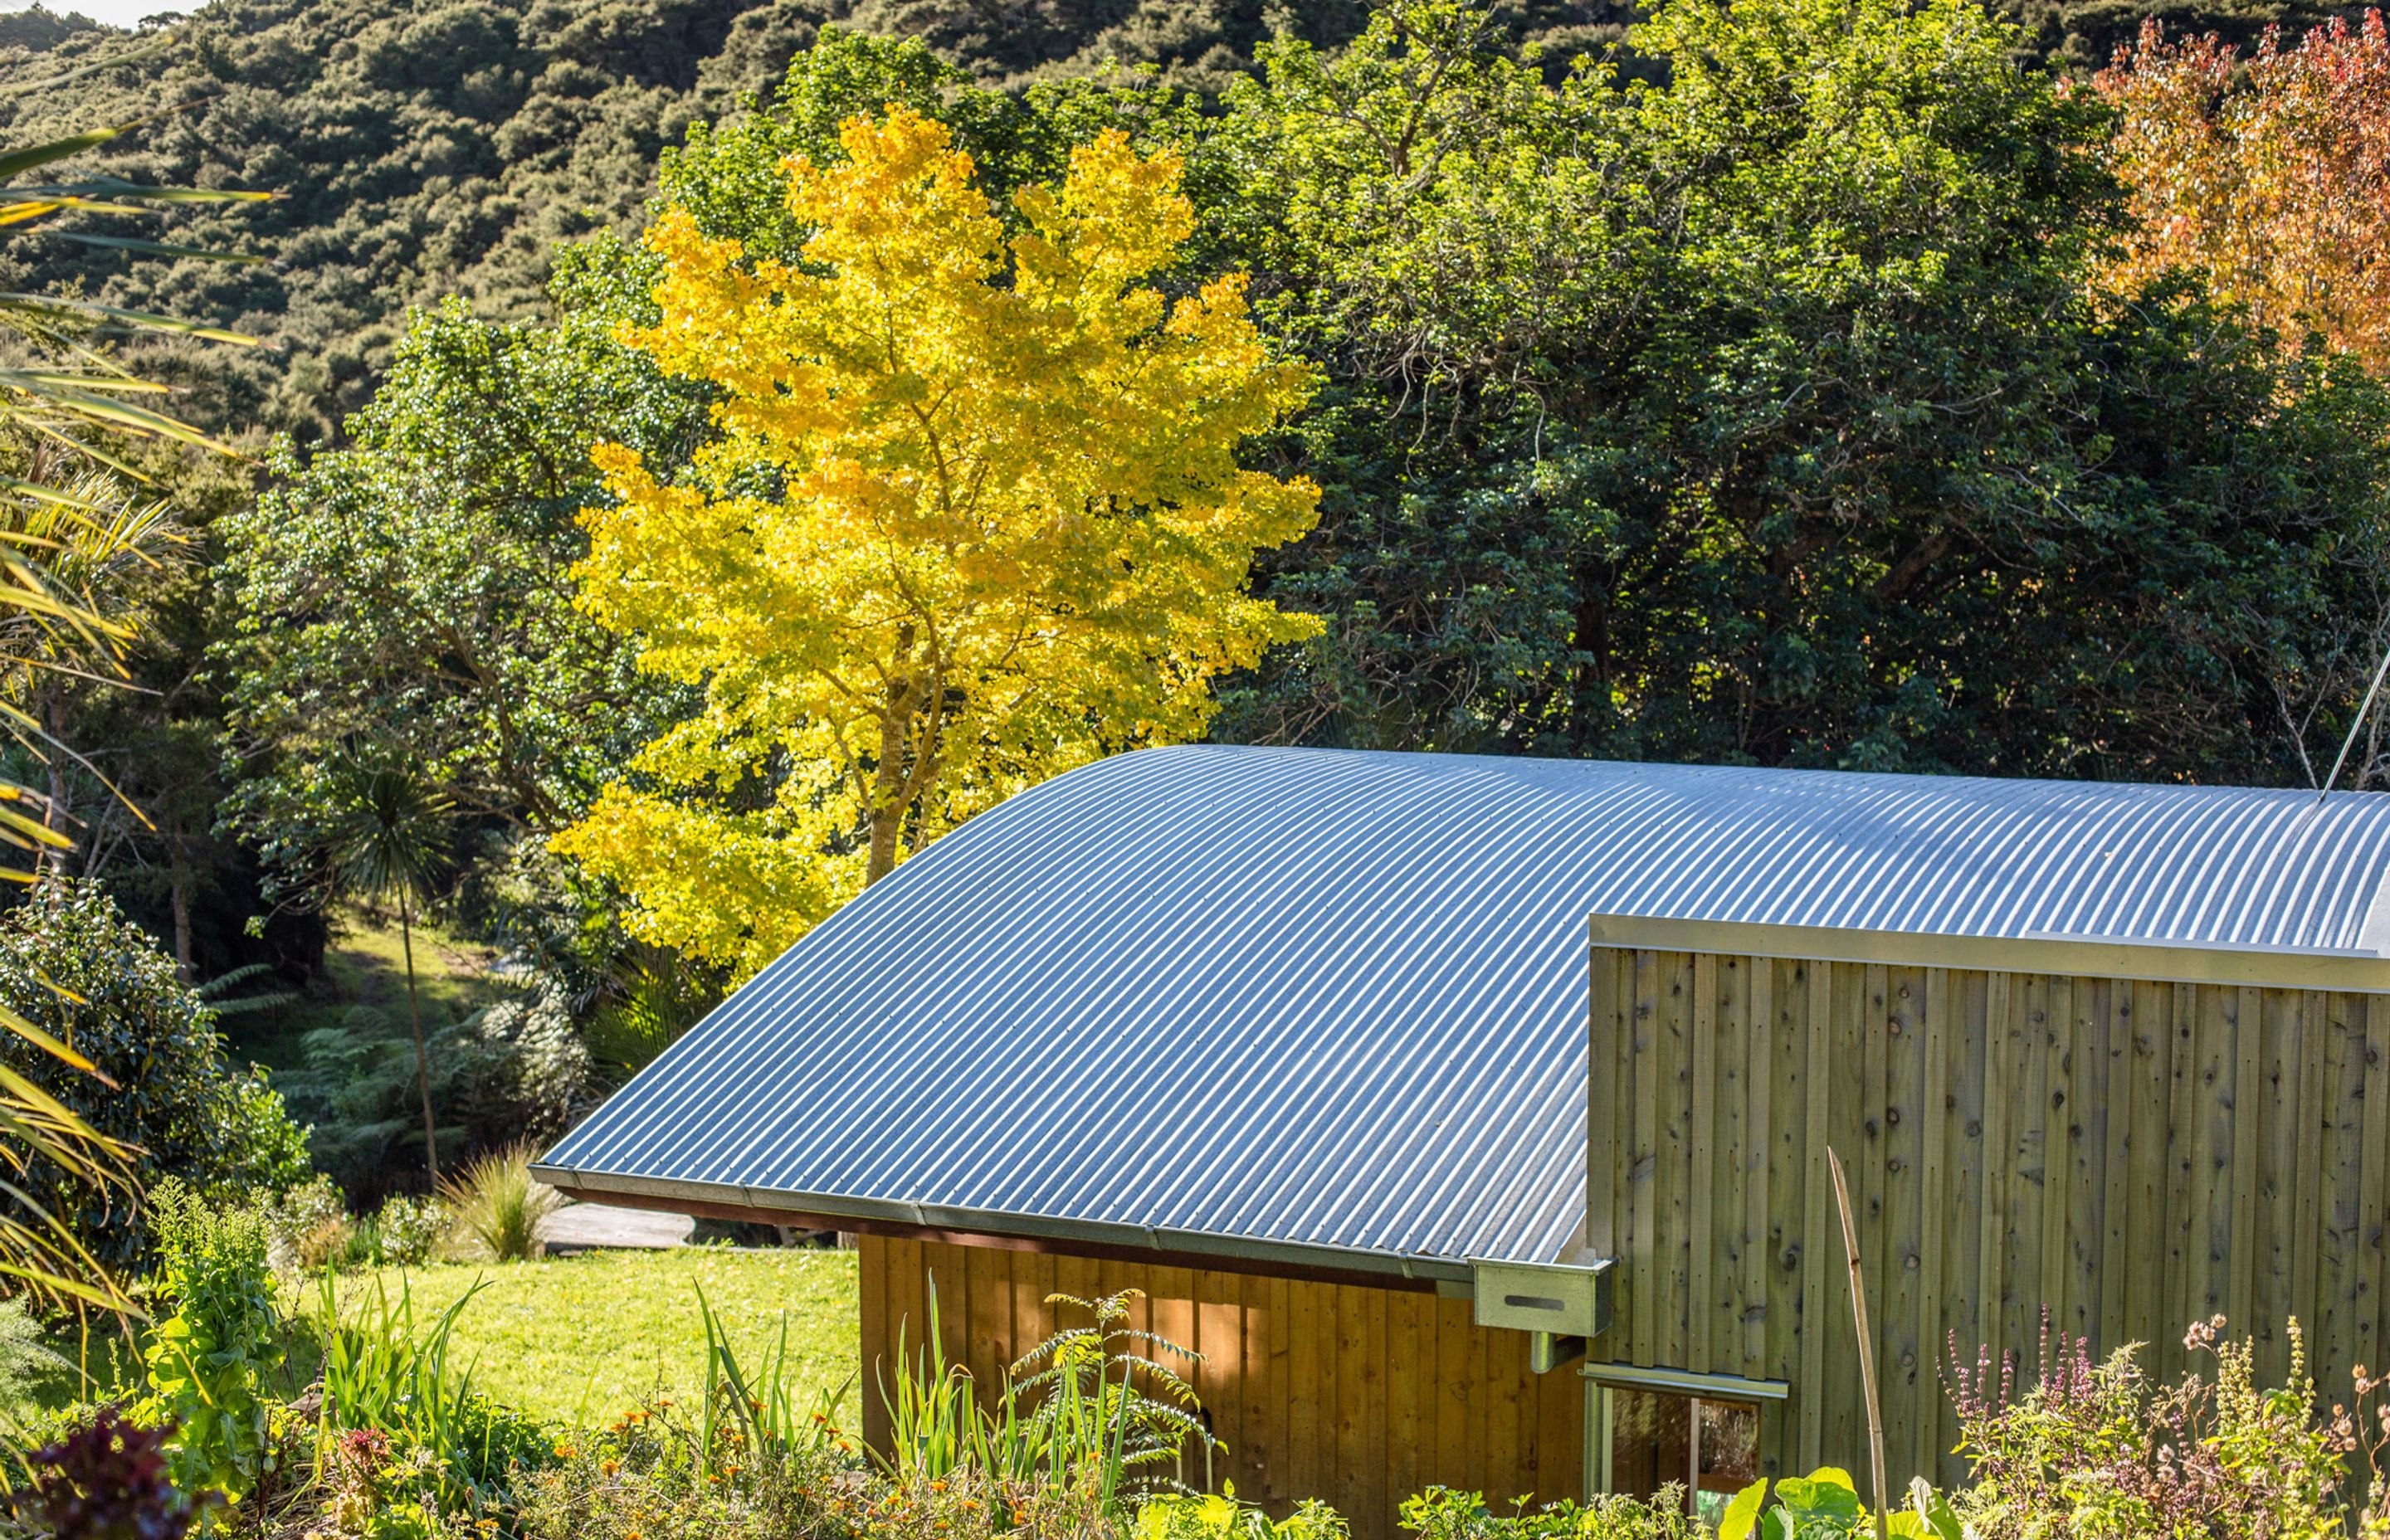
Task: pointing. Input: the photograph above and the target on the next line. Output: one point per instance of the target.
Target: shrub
(307, 1227)
(208, 1360)
(1441, 1513)
(499, 1203)
(2095, 1449)
(80, 971)
(407, 1229)
(104, 1480)
(1222, 1517)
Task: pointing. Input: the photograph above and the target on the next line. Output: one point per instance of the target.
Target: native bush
(208, 1361)
(80, 971)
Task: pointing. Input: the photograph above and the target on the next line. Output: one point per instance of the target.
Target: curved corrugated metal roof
(1289, 1000)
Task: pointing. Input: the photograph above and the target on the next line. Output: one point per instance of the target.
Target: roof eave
(2089, 957)
(1161, 1240)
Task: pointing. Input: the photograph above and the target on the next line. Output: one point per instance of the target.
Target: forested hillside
(425, 149)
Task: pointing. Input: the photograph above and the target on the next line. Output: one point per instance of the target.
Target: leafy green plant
(383, 1375)
(758, 1413)
(407, 1228)
(500, 1205)
(1219, 1516)
(1443, 1514)
(208, 1361)
(1079, 1423)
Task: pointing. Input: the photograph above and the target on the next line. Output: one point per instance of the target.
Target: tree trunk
(887, 786)
(422, 1056)
(180, 892)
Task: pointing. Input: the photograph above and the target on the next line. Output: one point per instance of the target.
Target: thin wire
(2350, 741)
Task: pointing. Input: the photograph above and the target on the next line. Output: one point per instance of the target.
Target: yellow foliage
(974, 516)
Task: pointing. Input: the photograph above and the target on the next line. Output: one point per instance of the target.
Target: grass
(587, 1337)
(365, 965)
(580, 1338)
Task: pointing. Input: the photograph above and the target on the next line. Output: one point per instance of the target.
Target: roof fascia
(2086, 957)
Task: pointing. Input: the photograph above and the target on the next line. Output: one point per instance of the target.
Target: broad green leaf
(1742, 1515)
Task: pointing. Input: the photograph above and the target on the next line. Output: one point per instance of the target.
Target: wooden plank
(2245, 1103)
(1809, 1392)
(1559, 1455)
(2311, 1105)
(2342, 1299)
(2087, 1154)
(872, 1341)
(1850, 1075)
(1786, 1204)
(2059, 1127)
(1411, 1392)
(1675, 1215)
(2026, 1045)
(1933, 1102)
(1759, 1167)
(1640, 1279)
(1606, 1059)
(1966, 1155)
(2000, 1005)
(1701, 1217)
(1899, 1216)
(1352, 1485)
(2213, 1196)
(1505, 1360)
(1455, 1383)
(1260, 1413)
(1219, 1337)
(2184, 1125)
(2147, 1153)
(2374, 1188)
(1311, 1388)
(2274, 1243)
(1732, 1240)
(1365, 1382)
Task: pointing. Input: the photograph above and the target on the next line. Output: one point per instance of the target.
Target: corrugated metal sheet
(1292, 999)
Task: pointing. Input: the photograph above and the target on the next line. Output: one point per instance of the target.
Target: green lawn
(583, 1337)
(587, 1337)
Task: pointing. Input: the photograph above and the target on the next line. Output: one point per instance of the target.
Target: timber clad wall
(1354, 1395)
(2133, 1156)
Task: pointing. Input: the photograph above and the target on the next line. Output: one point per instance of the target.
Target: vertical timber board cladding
(1354, 1395)
(2127, 1155)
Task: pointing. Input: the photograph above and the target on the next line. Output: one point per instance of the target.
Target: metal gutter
(930, 1216)
(2036, 952)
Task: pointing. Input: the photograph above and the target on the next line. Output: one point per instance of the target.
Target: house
(1471, 1116)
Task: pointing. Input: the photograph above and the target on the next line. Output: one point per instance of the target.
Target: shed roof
(1325, 1006)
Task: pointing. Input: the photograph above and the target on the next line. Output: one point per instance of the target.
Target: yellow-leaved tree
(974, 516)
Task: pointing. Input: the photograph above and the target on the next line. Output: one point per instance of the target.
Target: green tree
(86, 977)
(1765, 414)
(387, 833)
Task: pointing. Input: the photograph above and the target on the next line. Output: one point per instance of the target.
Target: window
(1705, 1445)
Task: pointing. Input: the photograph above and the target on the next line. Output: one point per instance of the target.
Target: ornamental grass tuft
(499, 1204)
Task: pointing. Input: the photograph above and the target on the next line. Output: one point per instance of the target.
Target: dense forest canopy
(423, 150)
